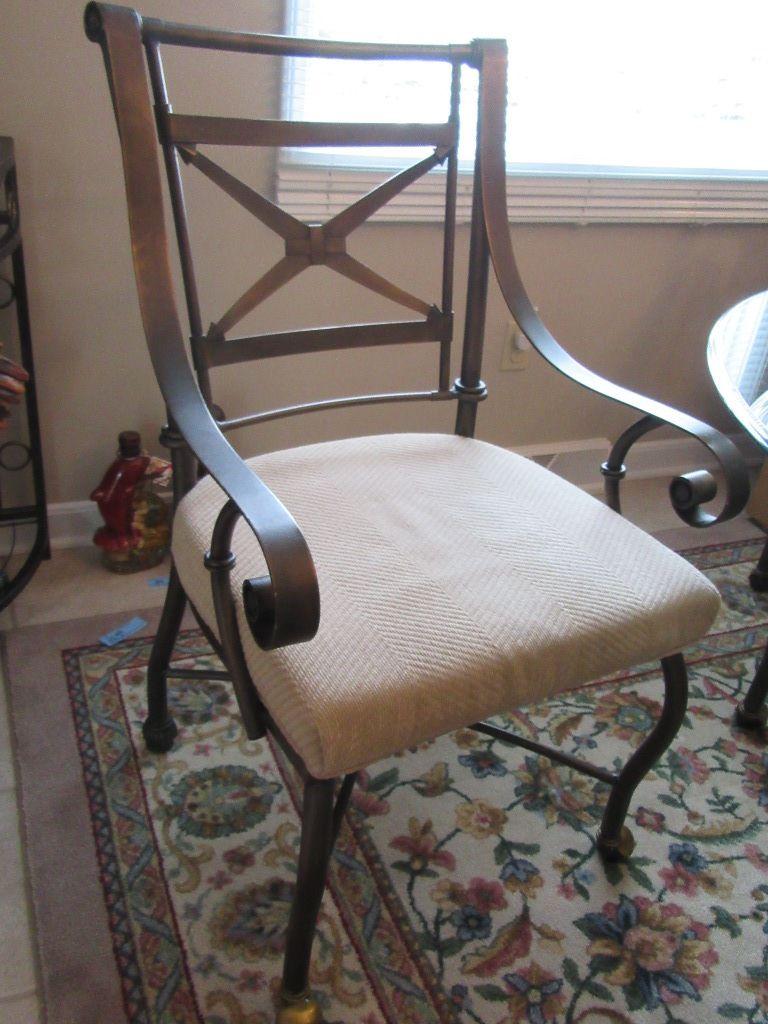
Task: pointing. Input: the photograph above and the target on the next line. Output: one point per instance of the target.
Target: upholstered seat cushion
(457, 580)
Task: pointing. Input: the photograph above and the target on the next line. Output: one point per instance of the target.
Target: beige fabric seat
(457, 580)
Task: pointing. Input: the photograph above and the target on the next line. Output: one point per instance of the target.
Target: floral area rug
(466, 885)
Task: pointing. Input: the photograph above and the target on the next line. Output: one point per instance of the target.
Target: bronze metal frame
(283, 606)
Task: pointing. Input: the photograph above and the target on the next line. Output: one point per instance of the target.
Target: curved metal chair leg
(297, 1004)
(751, 713)
(615, 841)
(159, 728)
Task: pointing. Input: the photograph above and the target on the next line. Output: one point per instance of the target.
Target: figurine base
(133, 560)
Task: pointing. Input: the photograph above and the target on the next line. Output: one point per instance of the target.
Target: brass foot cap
(300, 1009)
(618, 849)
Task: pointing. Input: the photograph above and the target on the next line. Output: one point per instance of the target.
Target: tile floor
(73, 584)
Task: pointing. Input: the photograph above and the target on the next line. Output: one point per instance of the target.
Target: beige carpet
(80, 984)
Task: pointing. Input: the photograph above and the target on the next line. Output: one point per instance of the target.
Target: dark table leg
(751, 712)
(758, 578)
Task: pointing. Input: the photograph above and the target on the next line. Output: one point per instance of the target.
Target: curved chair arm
(686, 493)
(292, 611)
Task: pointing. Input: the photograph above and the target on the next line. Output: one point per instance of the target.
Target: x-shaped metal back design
(309, 245)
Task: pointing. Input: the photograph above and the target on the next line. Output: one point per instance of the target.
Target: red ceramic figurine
(135, 534)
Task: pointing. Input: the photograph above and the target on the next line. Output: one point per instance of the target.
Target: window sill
(315, 193)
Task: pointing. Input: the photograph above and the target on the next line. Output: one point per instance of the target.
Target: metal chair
(433, 573)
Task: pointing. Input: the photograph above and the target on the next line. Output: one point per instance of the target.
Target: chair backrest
(184, 138)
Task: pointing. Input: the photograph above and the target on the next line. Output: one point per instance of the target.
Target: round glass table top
(737, 354)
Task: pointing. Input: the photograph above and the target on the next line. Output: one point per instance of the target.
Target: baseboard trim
(73, 523)
(579, 461)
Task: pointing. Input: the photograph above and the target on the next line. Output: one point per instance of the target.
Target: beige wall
(633, 302)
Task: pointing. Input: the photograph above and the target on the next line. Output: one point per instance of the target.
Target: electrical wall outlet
(515, 349)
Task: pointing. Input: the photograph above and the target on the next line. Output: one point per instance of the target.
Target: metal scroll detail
(19, 454)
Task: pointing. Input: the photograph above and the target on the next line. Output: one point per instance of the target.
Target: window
(630, 112)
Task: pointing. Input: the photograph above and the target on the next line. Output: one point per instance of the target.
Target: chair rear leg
(159, 728)
(297, 1004)
(615, 841)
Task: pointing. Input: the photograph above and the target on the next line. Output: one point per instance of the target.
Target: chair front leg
(297, 1004)
(615, 841)
(159, 728)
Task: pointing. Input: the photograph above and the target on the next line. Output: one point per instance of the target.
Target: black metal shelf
(34, 513)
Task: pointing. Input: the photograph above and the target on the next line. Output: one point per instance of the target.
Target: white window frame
(315, 188)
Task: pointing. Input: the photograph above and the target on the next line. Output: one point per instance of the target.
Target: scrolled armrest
(686, 499)
(689, 491)
(291, 610)
(284, 607)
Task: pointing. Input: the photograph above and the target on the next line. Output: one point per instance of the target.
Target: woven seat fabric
(457, 581)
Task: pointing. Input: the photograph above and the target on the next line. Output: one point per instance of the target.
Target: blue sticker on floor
(126, 630)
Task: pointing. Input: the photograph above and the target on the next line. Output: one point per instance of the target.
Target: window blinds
(613, 114)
